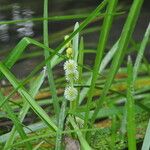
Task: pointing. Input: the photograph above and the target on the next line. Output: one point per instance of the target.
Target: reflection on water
(22, 28)
(4, 35)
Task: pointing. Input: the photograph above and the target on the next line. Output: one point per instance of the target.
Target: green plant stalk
(82, 140)
(103, 65)
(17, 52)
(33, 91)
(62, 115)
(123, 43)
(48, 64)
(146, 144)
(130, 106)
(38, 146)
(38, 110)
(72, 103)
(141, 52)
(16, 123)
(100, 50)
(80, 61)
(113, 132)
(45, 135)
(75, 47)
(52, 18)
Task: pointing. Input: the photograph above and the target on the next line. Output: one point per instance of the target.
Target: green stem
(122, 46)
(130, 106)
(48, 64)
(100, 50)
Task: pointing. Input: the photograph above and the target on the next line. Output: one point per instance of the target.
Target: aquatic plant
(107, 101)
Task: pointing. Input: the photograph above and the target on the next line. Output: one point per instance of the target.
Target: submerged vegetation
(101, 106)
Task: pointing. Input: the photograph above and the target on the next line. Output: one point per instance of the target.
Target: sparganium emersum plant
(71, 73)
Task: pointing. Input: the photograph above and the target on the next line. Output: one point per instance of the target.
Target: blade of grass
(51, 18)
(130, 106)
(16, 53)
(139, 58)
(76, 42)
(146, 143)
(113, 132)
(62, 115)
(141, 52)
(38, 110)
(82, 140)
(123, 43)
(80, 61)
(35, 86)
(16, 123)
(51, 134)
(48, 64)
(38, 145)
(100, 50)
(75, 56)
(103, 65)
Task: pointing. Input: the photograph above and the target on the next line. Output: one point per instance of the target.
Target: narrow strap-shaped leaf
(81, 138)
(123, 43)
(76, 43)
(35, 86)
(130, 106)
(16, 122)
(62, 115)
(48, 64)
(111, 8)
(38, 110)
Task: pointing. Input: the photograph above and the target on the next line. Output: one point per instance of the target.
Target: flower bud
(69, 43)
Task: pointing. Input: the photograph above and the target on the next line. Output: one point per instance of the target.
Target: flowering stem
(73, 105)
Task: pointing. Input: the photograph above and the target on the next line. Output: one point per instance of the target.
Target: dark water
(20, 9)
(10, 34)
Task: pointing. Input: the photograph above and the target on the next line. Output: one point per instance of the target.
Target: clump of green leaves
(96, 97)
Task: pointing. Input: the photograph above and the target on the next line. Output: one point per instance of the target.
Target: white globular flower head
(70, 66)
(72, 76)
(70, 93)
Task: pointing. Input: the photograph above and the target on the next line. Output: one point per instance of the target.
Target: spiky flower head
(72, 76)
(70, 93)
(70, 66)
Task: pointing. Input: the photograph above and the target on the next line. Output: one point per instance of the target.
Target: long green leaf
(82, 140)
(130, 106)
(61, 125)
(38, 110)
(48, 64)
(122, 46)
(100, 50)
(16, 122)
(35, 86)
